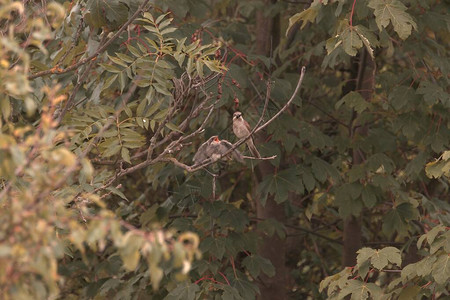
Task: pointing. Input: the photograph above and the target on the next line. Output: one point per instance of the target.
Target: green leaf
(319, 169)
(392, 254)
(398, 218)
(351, 42)
(126, 155)
(430, 235)
(109, 81)
(183, 291)
(230, 293)
(173, 127)
(380, 162)
(424, 267)
(214, 246)
(246, 289)
(124, 57)
(117, 192)
(409, 292)
(111, 68)
(369, 196)
(308, 181)
(118, 61)
(400, 96)
(441, 269)
(347, 199)
(432, 93)
(255, 264)
(367, 37)
(141, 107)
(379, 261)
(272, 226)
(364, 254)
(355, 101)
(134, 50)
(355, 288)
(122, 82)
(393, 11)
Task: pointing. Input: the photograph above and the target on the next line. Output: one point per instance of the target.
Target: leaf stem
(351, 14)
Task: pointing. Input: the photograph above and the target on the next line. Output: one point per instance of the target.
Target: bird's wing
(247, 125)
(226, 145)
(203, 151)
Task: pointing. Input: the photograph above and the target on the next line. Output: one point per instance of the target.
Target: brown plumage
(214, 148)
(242, 129)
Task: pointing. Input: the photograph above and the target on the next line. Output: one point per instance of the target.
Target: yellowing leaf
(393, 11)
(5, 107)
(308, 15)
(63, 156)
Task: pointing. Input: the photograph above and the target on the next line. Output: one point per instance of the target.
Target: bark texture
(272, 248)
(365, 83)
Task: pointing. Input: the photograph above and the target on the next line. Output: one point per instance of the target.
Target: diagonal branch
(162, 157)
(257, 128)
(297, 89)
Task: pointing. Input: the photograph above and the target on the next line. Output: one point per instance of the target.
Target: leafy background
(104, 104)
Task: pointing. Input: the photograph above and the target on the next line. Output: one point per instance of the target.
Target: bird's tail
(252, 148)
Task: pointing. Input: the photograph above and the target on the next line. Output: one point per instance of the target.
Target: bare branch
(258, 128)
(260, 158)
(297, 89)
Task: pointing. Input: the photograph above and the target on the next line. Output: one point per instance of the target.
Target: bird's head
(215, 139)
(237, 115)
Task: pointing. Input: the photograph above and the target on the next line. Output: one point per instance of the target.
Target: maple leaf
(393, 11)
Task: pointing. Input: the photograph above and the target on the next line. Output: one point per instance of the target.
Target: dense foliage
(104, 104)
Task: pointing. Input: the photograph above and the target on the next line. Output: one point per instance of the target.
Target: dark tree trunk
(351, 240)
(365, 83)
(272, 248)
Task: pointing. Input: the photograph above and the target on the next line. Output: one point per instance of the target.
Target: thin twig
(314, 233)
(259, 128)
(243, 140)
(259, 158)
(297, 89)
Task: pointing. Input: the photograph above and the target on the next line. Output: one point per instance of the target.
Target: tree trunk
(365, 83)
(272, 248)
(351, 240)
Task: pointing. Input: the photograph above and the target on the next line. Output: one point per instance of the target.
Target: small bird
(215, 149)
(242, 129)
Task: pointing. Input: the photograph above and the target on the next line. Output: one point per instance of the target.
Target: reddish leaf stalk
(351, 14)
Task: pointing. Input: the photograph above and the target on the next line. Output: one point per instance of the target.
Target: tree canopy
(105, 103)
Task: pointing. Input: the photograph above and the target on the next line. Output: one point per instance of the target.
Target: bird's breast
(239, 130)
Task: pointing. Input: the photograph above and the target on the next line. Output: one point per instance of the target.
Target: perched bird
(242, 129)
(214, 148)
(204, 151)
(221, 147)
